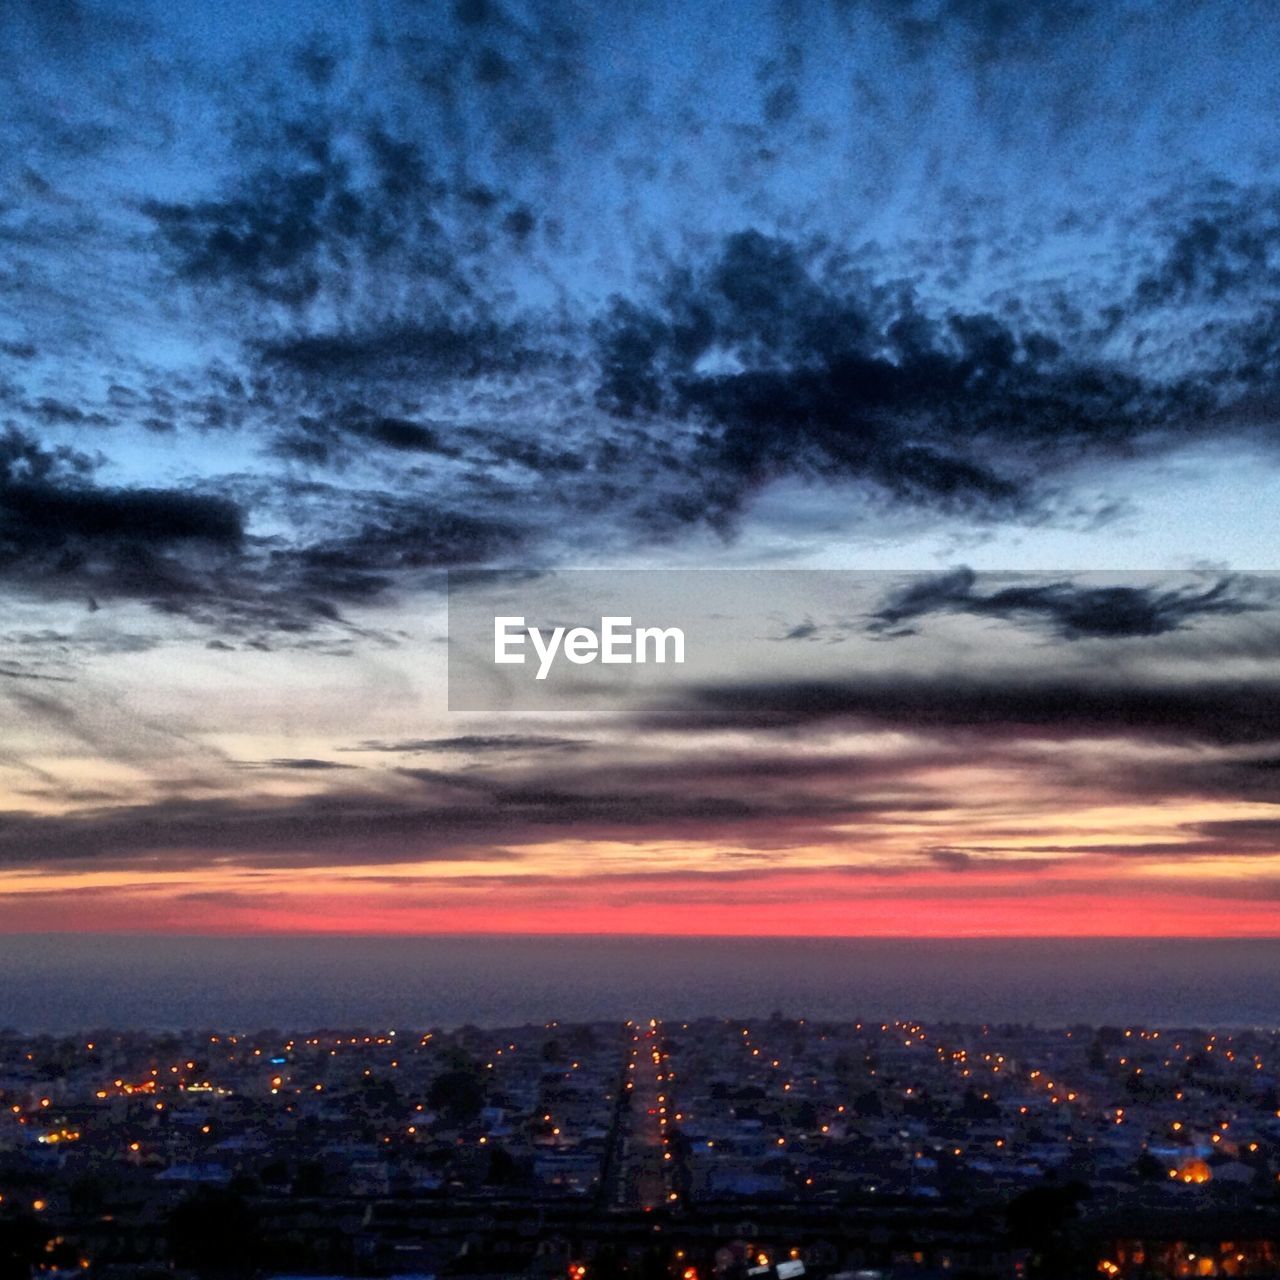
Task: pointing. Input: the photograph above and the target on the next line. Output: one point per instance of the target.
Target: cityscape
(774, 1147)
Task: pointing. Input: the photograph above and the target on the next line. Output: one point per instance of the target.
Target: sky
(303, 305)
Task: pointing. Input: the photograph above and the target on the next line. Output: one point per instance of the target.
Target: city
(777, 1147)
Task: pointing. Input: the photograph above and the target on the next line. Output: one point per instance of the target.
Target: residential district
(779, 1147)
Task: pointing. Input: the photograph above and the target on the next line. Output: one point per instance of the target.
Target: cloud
(790, 364)
(396, 535)
(58, 526)
(730, 359)
(332, 198)
(336, 827)
(399, 349)
(512, 792)
(806, 630)
(1217, 838)
(1086, 704)
(1223, 248)
(952, 859)
(306, 763)
(43, 518)
(1264, 832)
(476, 744)
(188, 554)
(322, 439)
(456, 818)
(787, 794)
(1069, 610)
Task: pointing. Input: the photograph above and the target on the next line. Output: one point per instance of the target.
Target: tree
(976, 1107)
(214, 1232)
(310, 1179)
(868, 1104)
(1097, 1055)
(503, 1170)
(22, 1242)
(458, 1095)
(87, 1195)
(1038, 1220)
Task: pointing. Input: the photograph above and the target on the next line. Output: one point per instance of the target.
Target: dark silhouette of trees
(1039, 1220)
(868, 1104)
(22, 1242)
(215, 1233)
(1097, 1055)
(806, 1116)
(309, 1180)
(976, 1107)
(87, 1195)
(504, 1169)
(457, 1094)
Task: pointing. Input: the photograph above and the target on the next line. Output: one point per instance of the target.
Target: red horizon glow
(1065, 913)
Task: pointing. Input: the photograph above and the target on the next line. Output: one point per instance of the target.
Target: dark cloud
(522, 790)
(1263, 832)
(53, 412)
(806, 630)
(1224, 838)
(338, 826)
(187, 553)
(756, 800)
(56, 522)
(334, 199)
(1226, 247)
(456, 817)
(12, 671)
(401, 434)
(758, 359)
(395, 536)
(1088, 704)
(952, 859)
(306, 763)
(1070, 610)
(991, 29)
(476, 744)
(348, 431)
(396, 350)
(792, 364)
(43, 518)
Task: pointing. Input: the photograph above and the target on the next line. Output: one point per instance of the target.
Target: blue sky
(201, 200)
(482, 205)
